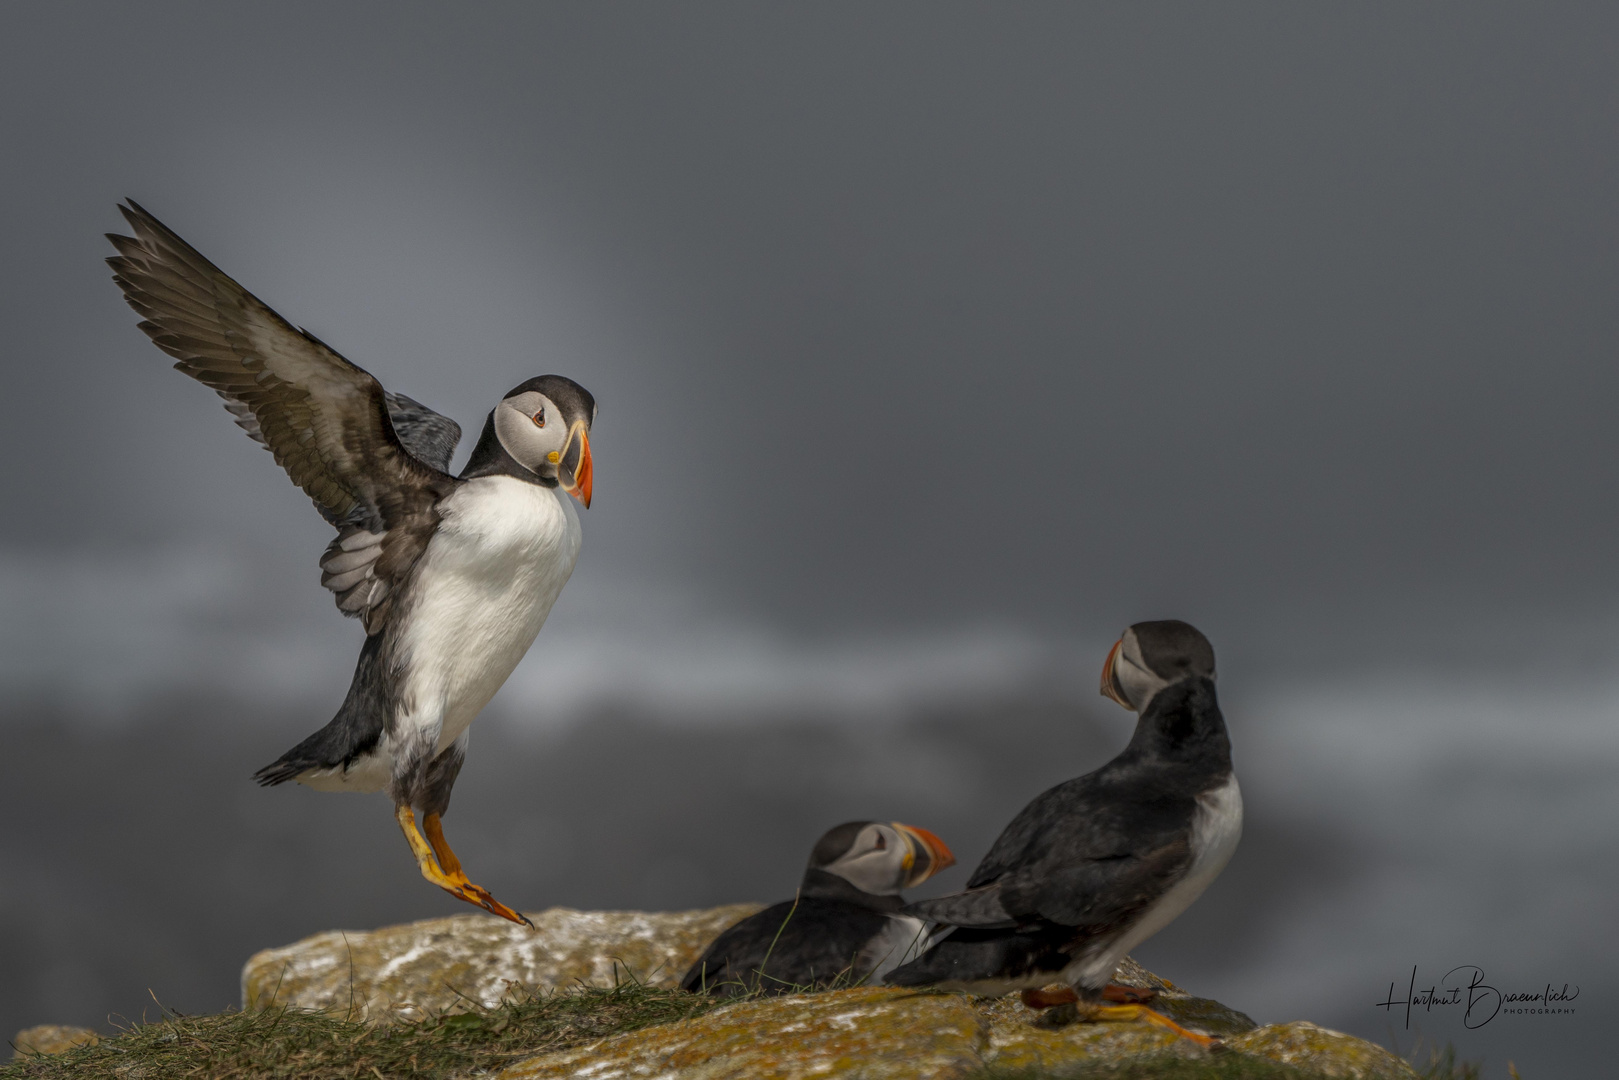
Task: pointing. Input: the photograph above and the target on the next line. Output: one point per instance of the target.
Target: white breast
(901, 940)
(1216, 828)
(497, 562)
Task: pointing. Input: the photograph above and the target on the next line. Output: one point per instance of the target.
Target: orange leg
(1063, 995)
(1051, 997)
(439, 865)
(1145, 1015)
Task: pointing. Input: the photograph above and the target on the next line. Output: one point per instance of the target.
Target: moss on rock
(1329, 1053)
(881, 1033)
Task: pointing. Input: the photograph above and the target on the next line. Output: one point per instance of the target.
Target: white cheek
(527, 441)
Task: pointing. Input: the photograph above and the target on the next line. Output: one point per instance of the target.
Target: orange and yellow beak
(1110, 681)
(575, 468)
(927, 854)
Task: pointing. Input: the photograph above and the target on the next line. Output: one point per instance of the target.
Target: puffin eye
(539, 417)
(882, 842)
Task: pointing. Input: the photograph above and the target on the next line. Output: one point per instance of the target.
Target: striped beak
(927, 855)
(575, 468)
(1110, 679)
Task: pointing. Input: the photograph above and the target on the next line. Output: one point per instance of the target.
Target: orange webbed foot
(439, 865)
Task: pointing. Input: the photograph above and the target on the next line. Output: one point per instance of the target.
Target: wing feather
(326, 421)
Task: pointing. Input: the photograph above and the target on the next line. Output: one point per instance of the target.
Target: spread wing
(325, 420)
(430, 437)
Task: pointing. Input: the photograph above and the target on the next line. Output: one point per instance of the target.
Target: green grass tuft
(283, 1044)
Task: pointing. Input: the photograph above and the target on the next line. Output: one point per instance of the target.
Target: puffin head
(880, 857)
(1150, 656)
(544, 424)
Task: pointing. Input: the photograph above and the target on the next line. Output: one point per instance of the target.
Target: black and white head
(880, 857)
(544, 424)
(1150, 656)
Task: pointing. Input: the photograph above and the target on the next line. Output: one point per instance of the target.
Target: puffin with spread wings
(451, 576)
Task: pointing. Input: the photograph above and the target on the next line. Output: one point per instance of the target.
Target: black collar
(825, 886)
(489, 458)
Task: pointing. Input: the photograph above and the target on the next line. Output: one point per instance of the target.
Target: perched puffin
(1096, 865)
(846, 923)
(451, 576)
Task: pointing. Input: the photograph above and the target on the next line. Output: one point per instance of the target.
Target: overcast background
(934, 344)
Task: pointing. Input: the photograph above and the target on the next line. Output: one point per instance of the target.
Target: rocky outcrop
(888, 1034)
(421, 969)
(446, 965)
(1321, 1050)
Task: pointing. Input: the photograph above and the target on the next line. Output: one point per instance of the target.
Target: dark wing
(1096, 895)
(1084, 853)
(1052, 914)
(787, 948)
(325, 420)
(430, 437)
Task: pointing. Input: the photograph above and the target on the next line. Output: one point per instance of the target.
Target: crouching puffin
(845, 925)
(1096, 865)
(451, 576)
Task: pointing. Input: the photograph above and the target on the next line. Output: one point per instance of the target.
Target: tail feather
(355, 729)
(973, 955)
(288, 766)
(980, 907)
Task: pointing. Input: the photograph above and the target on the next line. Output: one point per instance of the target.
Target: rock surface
(50, 1039)
(442, 965)
(419, 969)
(1331, 1053)
(888, 1034)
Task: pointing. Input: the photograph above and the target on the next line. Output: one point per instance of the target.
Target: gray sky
(1297, 322)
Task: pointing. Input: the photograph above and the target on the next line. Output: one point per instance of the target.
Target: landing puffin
(1096, 865)
(845, 925)
(451, 576)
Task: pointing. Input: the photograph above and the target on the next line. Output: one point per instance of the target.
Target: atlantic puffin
(451, 576)
(845, 926)
(1096, 865)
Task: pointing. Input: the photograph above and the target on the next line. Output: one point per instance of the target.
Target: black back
(1087, 858)
(791, 946)
(811, 942)
(1136, 802)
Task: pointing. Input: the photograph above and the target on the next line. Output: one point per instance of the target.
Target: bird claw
(477, 894)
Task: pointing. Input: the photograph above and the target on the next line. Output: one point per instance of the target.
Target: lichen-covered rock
(1330, 1053)
(441, 965)
(424, 968)
(876, 1033)
(50, 1039)
(889, 1034)
(1016, 1042)
(1130, 973)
